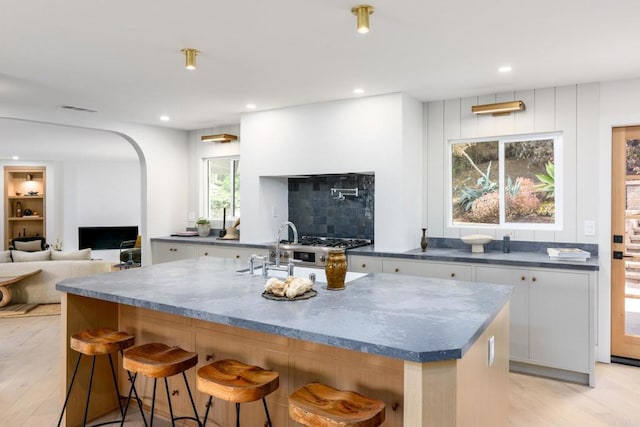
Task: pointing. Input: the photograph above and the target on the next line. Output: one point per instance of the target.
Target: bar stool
(236, 382)
(318, 405)
(97, 342)
(157, 360)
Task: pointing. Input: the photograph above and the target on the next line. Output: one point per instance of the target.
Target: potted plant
(204, 226)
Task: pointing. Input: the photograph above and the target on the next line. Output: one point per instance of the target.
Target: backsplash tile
(316, 212)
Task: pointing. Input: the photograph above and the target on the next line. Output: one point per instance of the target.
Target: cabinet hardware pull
(394, 406)
(206, 254)
(397, 270)
(523, 278)
(175, 393)
(533, 279)
(237, 256)
(453, 274)
(364, 265)
(208, 357)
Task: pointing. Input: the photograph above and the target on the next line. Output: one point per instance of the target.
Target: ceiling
(122, 58)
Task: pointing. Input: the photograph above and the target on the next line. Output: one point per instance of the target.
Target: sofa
(55, 266)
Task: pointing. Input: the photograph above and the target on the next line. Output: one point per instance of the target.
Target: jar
(336, 269)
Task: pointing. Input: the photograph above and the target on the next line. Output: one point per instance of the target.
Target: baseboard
(546, 372)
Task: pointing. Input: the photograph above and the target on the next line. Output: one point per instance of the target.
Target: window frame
(234, 166)
(557, 138)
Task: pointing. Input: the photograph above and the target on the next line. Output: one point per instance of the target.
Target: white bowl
(477, 241)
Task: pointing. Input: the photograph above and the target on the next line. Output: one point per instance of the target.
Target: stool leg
(73, 378)
(115, 384)
(86, 408)
(153, 400)
(266, 411)
(237, 415)
(206, 413)
(193, 404)
(166, 386)
(132, 380)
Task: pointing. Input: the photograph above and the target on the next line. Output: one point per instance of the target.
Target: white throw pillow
(22, 256)
(34, 245)
(5, 256)
(82, 254)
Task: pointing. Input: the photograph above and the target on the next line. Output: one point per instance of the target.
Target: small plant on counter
(203, 221)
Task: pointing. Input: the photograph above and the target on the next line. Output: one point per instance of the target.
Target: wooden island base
(459, 392)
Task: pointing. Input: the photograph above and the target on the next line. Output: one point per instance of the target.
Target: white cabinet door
(364, 264)
(240, 253)
(441, 270)
(519, 307)
(559, 324)
(168, 251)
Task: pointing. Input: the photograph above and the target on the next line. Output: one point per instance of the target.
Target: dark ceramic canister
(336, 269)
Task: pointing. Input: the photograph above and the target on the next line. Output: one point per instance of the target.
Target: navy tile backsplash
(316, 212)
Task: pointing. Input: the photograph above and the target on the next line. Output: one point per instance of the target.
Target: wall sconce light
(362, 11)
(499, 109)
(222, 137)
(190, 55)
(28, 177)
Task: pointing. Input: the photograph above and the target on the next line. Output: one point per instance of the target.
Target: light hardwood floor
(30, 378)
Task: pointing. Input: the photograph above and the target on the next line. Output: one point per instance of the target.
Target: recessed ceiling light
(505, 69)
(164, 118)
(358, 91)
(15, 158)
(251, 106)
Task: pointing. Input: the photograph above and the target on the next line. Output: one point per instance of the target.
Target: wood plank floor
(30, 378)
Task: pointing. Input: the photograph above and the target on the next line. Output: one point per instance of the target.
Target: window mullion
(501, 182)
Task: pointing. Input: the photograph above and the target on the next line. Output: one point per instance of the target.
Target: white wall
(380, 134)
(163, 157)
(573, 110)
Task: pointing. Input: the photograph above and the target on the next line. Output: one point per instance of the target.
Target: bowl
(477, 241)
(18, 193)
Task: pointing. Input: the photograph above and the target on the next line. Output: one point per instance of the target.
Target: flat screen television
(105, 237)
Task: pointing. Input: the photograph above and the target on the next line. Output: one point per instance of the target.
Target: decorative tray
(309, 294)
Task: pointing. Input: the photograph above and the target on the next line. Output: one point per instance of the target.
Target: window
(510, 181)
(223, 187)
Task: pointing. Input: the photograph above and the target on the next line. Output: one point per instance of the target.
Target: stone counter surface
(515, 258)
(404, 317)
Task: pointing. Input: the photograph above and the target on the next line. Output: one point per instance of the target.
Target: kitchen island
(435, 351)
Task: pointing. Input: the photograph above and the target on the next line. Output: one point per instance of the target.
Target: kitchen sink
(321, 277)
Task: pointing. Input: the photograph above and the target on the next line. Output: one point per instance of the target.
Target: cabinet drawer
(364, 264)
(441, 270)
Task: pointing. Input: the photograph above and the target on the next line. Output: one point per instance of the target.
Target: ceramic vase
(423, 240)
(336, 269)
(203, 229)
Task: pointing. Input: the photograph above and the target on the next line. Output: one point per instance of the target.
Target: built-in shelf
(24, 179)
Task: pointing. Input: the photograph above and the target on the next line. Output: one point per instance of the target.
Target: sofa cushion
(34, 245)
(5, 256)
(82, 254)
(22, 256)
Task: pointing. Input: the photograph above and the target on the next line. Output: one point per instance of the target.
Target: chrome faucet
(295, 238)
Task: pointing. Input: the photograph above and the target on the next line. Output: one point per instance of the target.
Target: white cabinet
(169, 251)
(551, 316)
(364, 264)
(441, 270)
(239, 253)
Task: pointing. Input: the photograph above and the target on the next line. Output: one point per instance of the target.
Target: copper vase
(336, 269)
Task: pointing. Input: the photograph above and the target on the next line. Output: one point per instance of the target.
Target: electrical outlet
(589, 228)
(492, 350)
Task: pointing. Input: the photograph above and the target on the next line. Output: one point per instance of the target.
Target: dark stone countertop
(405, 317)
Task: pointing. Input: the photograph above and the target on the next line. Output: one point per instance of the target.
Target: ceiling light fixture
(505, 69)
(362, 11)
(164, 118)
(358, 91)
(498, 109)
(251, 106)
(222, 137)
(190, 55)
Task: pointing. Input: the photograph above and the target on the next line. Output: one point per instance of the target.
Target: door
(625, 227)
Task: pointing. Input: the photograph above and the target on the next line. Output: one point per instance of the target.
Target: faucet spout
(280, 230)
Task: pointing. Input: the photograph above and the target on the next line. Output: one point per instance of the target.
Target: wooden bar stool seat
(157, 360)
(318, 405)
(97, 342)
(236, 382)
